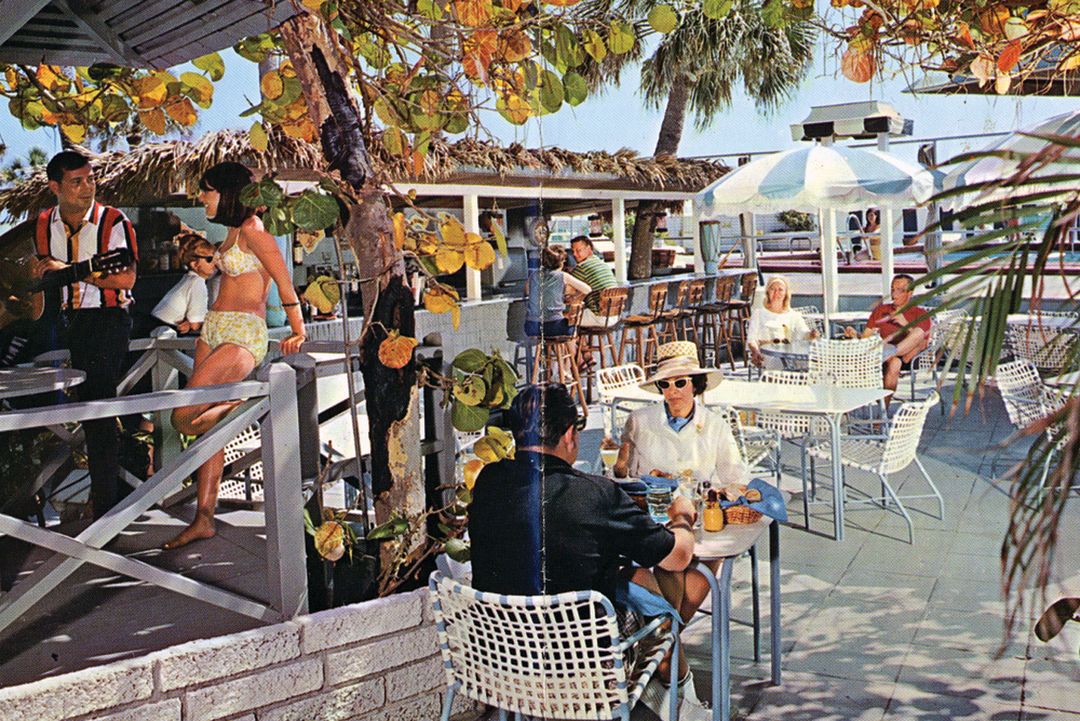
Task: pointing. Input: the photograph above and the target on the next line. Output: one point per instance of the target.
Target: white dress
(766, 325)
(705, 445)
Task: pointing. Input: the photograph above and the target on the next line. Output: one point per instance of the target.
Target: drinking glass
(658, 499)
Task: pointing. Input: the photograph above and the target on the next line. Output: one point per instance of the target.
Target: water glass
(658, 499)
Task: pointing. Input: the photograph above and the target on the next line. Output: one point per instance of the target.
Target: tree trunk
(393, 398)
(666, 144)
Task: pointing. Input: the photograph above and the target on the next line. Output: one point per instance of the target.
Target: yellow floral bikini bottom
(246, 330)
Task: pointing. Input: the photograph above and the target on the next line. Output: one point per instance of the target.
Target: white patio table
(727, 545)
(829, 402)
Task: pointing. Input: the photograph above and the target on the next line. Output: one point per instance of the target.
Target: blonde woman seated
(775, 322)
(674, 438)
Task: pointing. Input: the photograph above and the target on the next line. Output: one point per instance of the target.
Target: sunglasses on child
(207, 258)
(681, 383)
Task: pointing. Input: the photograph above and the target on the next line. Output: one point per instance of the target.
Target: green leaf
(113, 108)
(253, 110)
(456, 123)
(429, 265)
(574, 88)
(290, 91)
(104, 71)
(663, 19)
(594, 45)
(276, 221)
(772, 12)
(470, 361)
(567, 50)
(431, 9)
(716, 9)
(468, 418)
(394, 141)
(620, 37)
(396, 526)
(551, 92)
(264, 193)
(211, 63)
(198, 88)
(256, 49)
(312, 210)
(458, 550)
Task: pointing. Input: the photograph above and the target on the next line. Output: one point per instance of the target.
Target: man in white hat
(680, 437)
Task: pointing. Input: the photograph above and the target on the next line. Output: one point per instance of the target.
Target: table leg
(721, 637)
(838, 477)
(755, 596)
(774, 599)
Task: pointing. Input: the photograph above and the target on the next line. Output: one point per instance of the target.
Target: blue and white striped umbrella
(989, 169)
(818, 177)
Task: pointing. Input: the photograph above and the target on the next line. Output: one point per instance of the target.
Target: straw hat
(679, 359)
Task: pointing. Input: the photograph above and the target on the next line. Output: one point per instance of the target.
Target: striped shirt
(122, 235)
(596, 274)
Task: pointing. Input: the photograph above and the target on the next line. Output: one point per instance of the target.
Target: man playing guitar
(95, 306)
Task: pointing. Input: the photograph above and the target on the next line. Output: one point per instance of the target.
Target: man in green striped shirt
(594, 272)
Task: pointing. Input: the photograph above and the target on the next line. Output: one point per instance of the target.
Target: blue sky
(618, 119)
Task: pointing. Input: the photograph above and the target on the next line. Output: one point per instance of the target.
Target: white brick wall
(371, 661)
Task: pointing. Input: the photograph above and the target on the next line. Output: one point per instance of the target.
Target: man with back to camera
(95, 307)
(888, 321)
(538, 526)
(594, 272)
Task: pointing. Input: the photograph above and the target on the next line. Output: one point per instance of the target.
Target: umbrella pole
(886, 250)
(829, 277)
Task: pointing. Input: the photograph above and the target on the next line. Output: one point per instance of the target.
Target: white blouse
(767, 325)
(186, 300)
(705, 444)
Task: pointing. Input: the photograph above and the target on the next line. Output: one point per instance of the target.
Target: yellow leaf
(52, 77)
(313, 5)
(399, 230)
(472, 239)
(449, 260)
(257, 135)
(440, 298)
(76, 133)
(151, 91)
(203, 88)
(1070, 63)
(182, 112)
(514, 108)
(455, 316)
(453, 233)
(471, 471)
(514, 46)
(330, 540)
(287, 70)
(153, 120)
(479, 256)
(271, 85)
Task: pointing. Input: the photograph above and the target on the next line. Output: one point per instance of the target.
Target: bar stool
(715, 328)
(558, 357)
(644, 328)
(690, 313)
(670, 318)
(594, 340)
(739, 310)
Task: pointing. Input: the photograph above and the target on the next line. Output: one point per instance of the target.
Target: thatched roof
(151, 173)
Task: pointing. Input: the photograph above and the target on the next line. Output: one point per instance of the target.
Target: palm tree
(696, 67)
(1034, 211)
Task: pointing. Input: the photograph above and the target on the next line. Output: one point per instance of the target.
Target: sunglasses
(207, 258)
(681, 383)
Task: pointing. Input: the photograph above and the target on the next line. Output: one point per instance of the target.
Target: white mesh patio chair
(1027, 400)
(544, 657)
(610, 380)
(812, 316)
(759, 448)
(1048, 349)
(888, 454)
(794, 427)
(848, 363)
(244, 481)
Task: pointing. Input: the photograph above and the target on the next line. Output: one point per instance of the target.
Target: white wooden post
(830, 281)
(618, 237)
(748, 226)
(471, 209)
(692, 222)
(286, 565)
(886, 252)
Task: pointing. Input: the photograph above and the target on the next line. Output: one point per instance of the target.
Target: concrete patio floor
(873, 628)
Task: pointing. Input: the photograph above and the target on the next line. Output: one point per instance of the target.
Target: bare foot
(198, 530)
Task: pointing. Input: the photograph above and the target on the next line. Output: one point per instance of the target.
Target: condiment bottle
(713, 515)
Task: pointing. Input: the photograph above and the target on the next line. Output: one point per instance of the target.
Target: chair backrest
(1021, 390)
(682, 295)
(734, 422)
(905, 429)
(725, 288)
(541, 656)
(657, 299)
(810, 314)
(788, 425)
(749, 285)
(612, 303)
(1047, 349)
(943, 328)
(849, 363)
(609, 380)
(696, 294)
(573, 315)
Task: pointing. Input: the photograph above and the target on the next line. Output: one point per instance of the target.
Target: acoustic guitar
(22, 295)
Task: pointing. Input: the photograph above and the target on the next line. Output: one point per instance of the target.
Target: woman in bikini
(233, 340)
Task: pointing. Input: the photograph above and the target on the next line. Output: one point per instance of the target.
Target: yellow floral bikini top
(234, 262)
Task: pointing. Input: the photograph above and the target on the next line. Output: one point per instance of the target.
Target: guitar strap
(109, 297)
(41, 235)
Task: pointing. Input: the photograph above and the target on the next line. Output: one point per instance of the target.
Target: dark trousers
(98, 340)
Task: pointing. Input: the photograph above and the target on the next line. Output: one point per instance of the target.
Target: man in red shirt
(888, 322)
